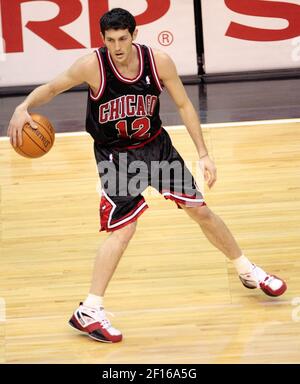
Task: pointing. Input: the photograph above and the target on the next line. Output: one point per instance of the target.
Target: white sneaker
(271, 285)
(95, 323)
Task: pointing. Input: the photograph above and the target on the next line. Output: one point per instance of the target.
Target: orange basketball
(36, 142)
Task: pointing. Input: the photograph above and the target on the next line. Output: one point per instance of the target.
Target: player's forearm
(40, 95)
(192, 123)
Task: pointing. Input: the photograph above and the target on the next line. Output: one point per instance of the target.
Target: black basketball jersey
(125, 112)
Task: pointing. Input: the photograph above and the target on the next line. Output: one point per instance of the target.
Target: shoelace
(259, 274)
(103, 320)
(268, 280)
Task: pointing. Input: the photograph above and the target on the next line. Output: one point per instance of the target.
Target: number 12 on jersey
(138, 129)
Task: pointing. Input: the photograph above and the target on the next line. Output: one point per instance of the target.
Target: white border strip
(255, 123)
(180, 127)
(238, 124)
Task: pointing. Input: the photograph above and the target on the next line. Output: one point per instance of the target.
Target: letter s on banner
(155, 10)
(264, 8)
(48, 30)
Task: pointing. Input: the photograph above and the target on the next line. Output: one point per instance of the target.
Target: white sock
(260, 274)
(242, 265)
(93, 301)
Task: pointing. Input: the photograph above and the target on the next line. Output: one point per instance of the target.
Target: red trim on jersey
(128, 222)
(106, 211)
(102, 78)
(118, 74)
(154, 70)
(129, 213)
(142, 143)
(183, 199)
(106, 208)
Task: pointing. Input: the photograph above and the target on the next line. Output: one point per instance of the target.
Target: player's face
(119, 43)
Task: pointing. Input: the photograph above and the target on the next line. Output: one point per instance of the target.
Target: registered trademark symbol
(165, 38)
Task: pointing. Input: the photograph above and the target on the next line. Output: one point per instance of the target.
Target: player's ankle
(93, 301)
(242, 265)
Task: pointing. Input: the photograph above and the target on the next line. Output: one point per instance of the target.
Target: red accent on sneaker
(95, 330)
(268, 290)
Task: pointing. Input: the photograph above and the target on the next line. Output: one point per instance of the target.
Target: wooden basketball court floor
(175, 297)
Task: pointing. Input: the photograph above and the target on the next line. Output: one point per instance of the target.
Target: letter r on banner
(48, 30)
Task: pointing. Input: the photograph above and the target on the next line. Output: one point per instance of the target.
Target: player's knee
(200, 214)
(125, 234)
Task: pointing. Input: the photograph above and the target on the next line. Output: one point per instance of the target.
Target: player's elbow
(185, 105)
(51, 90)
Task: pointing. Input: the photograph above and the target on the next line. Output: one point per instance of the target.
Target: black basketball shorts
(126, 173)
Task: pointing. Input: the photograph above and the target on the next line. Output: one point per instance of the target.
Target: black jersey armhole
(154, 71)
(102, 77)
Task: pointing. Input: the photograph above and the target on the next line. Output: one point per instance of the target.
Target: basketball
(36, 142)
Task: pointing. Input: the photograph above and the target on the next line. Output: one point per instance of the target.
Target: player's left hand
(210, 171)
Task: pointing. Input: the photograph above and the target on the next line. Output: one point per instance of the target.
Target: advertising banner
(40, 39)
(249, 35)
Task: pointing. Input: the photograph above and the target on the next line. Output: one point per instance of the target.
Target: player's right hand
(19, 118)
(210, 171)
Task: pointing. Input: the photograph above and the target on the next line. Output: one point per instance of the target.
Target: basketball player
(125, 80)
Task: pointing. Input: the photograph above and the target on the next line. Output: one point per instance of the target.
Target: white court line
(180, 127)
(239, 124)
(257, 122)
(211, 126)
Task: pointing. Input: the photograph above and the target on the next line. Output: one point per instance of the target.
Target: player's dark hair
(117, 18)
